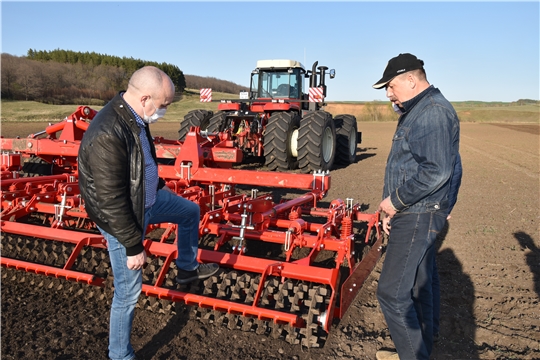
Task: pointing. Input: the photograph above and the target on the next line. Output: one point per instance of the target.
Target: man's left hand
(387, 207)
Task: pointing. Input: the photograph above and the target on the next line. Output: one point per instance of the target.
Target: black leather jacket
(111, 174)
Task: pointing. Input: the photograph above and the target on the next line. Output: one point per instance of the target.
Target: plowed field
(489, 263)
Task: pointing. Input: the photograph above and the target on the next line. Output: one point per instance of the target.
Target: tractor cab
(277, 79)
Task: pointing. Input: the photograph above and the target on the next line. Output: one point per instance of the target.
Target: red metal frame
(225, 214)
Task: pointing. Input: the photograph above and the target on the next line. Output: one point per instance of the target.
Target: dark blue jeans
(436, 298)
(405, 285)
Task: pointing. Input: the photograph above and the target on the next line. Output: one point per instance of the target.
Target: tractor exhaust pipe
(322, 70)
(313, 77)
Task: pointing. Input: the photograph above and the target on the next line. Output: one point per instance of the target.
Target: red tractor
(280, 121)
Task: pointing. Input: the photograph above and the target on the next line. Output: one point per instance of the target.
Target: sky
(482, 51)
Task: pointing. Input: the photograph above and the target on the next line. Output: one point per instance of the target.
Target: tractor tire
(316, 142)
(346, 139)
(200, 118)
(217, 122)
(280, 141)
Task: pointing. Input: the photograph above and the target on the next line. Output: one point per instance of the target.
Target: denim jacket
(424, 150)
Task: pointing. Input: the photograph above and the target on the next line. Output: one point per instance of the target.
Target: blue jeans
(436, 299)
(128, 283)
(405, 285)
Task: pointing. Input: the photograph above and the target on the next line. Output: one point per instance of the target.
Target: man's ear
(411, 81)
(144, 99)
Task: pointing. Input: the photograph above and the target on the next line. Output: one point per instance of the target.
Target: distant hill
(199, 82)
(69, 77)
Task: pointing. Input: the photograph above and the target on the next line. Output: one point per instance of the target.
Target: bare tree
(28, 78)
(9, 75)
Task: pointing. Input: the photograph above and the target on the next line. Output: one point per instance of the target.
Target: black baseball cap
(397, 66)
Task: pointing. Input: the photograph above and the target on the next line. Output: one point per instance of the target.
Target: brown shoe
(387, 355)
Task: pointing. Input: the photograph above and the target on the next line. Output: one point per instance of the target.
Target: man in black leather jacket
(119, 183)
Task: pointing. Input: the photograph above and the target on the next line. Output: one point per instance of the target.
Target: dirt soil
(489, 263)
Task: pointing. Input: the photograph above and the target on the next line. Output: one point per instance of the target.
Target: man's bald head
(149, 83)
(150, 79)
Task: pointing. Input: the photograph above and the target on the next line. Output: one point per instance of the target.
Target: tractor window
(254, 93)
(296, 84)
(276, 85)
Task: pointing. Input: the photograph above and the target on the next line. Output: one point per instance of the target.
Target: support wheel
(200, 118)
(316, 142)
(280, 138)
(346, 139)
(35, 166)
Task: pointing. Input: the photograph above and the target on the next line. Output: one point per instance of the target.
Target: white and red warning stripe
(316, 94)
(206, 95)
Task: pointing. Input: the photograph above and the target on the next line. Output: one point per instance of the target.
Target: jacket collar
(409, 104)
(122, 109)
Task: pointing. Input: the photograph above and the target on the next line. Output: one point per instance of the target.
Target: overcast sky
(485, 51)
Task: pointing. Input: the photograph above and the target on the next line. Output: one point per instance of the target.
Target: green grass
(27, 111)
(32, 111)
(468, 111)
(191, 101)
(497, 112)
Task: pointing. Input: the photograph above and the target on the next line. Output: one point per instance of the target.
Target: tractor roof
(279, 64)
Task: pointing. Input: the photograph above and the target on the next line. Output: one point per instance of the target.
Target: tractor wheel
(316, 142)
(200, 118)
(346, 139)
(280, 137)
(217, 122)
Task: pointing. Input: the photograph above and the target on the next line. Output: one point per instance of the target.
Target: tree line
(199, 82)
(69, 77)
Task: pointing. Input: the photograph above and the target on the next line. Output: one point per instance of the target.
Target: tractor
(282, 120)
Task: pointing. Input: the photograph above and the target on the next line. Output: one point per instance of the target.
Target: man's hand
(386, 224)
(389, 210)
(136, 262)
(387, 207)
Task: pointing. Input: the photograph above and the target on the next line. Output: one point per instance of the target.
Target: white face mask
(159, 113)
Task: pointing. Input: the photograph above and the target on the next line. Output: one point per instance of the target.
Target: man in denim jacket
(415, 202)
